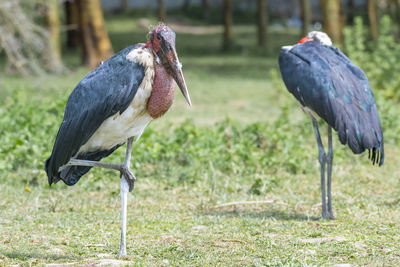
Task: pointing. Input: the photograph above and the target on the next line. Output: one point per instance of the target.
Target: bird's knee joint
(322, 157)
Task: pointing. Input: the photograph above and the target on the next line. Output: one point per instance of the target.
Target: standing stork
(112, 105)
(329, 86)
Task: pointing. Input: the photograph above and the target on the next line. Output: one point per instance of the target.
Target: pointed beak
(176, 71)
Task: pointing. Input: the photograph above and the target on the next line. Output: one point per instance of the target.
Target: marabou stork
(329, 86)
(112, 105)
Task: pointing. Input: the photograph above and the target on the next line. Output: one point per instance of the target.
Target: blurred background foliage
(40, 36)
(229, 38)
(58, 36)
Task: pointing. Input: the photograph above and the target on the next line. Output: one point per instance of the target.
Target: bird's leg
(322, 161)
(124, 201)
(127, 183)
(89, 163)
(329, 160)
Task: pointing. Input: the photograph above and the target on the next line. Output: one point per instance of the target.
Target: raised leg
(322, 161)
(329, 160)
(124, 168)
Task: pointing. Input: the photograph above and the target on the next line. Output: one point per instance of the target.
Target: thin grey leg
(329, 160)
(124, 201)
(322, 161)
(125, 188)
(89, 163)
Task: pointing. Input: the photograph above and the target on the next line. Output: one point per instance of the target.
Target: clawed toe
(327, 216)
(330, 216)
(129, 177)
(316, 218)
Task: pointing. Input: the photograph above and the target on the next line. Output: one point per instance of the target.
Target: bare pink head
(162, 42)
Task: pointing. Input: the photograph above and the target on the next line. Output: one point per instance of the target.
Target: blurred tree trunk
(95, 44)
(392, 8)
(373, 18)
(332, 22)
(262, 22)
(306, 16)
(52, 20)
(204, 7)
(350, 12)
(227, 14)
(185, 5)
(72, 21)
(397, 2)
(124, 6)
(161, 10)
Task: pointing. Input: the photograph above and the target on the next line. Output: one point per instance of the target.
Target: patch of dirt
(112, 262)
(308, 251)
(61, 264)
(323, 239)
(103, 255)
(196, 30)
(198, 228)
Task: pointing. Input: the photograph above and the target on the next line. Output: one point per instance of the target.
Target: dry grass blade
(242, 203)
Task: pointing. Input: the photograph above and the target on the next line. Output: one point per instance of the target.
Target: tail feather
(376, 155)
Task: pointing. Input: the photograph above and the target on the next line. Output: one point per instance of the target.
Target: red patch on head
(303, 40)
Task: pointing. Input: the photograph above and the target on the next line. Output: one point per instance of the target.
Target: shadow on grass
(266, 214)
(22, 255)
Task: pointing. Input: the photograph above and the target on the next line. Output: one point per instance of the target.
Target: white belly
(116, 130)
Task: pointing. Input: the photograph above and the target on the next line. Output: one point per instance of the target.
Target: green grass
(244, 139)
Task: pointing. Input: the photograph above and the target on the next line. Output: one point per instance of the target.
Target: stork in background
(112, 105)
(329, 86)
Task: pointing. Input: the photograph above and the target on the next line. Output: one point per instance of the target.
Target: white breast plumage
(118, 128)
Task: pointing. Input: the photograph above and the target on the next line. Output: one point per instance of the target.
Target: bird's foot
(122, 254)
(325, 216)
(330, 216)
(129, 177)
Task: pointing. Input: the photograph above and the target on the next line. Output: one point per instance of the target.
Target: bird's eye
(158, 37)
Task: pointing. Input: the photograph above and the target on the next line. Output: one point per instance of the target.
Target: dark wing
(102, 93)
(323, 79)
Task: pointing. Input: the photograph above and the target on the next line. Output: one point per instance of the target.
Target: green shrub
(379, 59)
(184, 154)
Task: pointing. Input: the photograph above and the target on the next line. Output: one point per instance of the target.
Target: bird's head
(316, 36)
(162, 42)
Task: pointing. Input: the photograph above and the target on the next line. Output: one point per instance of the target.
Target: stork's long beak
(176, 71)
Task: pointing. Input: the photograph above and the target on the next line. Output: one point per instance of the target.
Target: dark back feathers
(323, 79)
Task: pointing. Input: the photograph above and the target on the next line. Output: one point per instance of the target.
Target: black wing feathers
(328, 83)
(105, 91)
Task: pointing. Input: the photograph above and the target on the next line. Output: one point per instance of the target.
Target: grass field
(244, 139)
